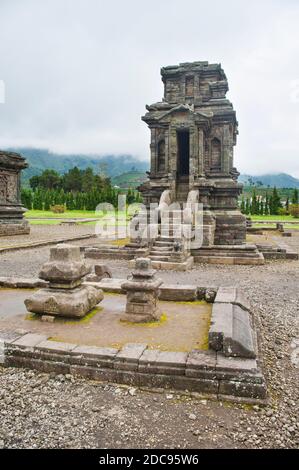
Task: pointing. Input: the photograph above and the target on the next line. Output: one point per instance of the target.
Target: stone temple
(12, 221)
(193, 133)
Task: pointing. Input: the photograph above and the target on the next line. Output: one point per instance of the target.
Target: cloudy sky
(78, 73)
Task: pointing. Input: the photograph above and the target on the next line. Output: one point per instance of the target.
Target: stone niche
(12, 220)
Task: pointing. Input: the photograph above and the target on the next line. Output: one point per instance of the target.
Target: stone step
(162, 248)
(229, 260)
(161, 253)
(225, 254)
(159, 258)
(167, 239)
(166, 244)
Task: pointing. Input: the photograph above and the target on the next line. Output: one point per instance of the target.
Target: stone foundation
(9, 228)
(230, 228)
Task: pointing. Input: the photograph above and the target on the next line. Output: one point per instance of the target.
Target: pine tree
(37, 200)
(295, 197)
(275, 202)
(47, 200)
(254, 205)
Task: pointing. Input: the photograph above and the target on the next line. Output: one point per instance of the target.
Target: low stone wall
(229, 369)
(135, 364)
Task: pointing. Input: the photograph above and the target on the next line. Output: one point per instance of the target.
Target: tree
(37, 200)
(34, 182)
(242, 207)
(247, 206)
(47, 200)
(26, 198)
(275, 202)
(49, 179)
(87, 180)
(72, 180)
(254, 204)
(295, 197)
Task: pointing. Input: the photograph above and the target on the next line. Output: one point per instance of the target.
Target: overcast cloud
(78, 73)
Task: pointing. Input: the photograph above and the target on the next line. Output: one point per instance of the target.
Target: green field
(44, 217)
(278, 218)
(275, 218)
(65, 215)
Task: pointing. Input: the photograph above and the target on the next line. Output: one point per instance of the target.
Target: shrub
(283, 211)
(58, 209)
(294, 210)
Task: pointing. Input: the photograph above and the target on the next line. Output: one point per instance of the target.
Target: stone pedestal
(65, 296)
(142, 294)
(12, 221)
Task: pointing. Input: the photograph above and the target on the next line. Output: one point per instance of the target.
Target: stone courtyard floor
(44, 410)
(183, 326)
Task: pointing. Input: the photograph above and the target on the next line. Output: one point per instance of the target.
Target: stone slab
(177, 292)
(231, 331)
(221, 325)
(128, 356)
(55, 346)
(232, 295)
(95, 352)
(20, 283)
(30, 340)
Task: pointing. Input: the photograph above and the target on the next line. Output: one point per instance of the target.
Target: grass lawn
(281, 218)
(69, 214)
(44, 222)
(65, 215)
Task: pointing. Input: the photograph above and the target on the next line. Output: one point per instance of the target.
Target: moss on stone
(72, 321)
(152, 324)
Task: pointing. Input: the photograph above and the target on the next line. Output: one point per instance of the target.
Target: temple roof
(12, 160)
(202, 67)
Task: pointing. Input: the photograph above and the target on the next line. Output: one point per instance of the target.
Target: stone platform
(246, 254)
(220, 359)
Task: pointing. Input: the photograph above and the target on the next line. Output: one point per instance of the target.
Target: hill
(131, 179)
(111, 165)
(280, 180)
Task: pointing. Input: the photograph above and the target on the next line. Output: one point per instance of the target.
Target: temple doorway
(183, 146)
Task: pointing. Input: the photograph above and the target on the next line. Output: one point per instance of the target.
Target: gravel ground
(39, 410)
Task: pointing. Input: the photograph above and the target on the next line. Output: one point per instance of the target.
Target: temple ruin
(193, 133)
(12, 221)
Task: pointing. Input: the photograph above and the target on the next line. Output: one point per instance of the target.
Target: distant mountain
(112, 165)
(280, 180)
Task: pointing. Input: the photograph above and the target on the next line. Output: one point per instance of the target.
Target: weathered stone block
(30, 340)
(128, 356)
(231, 331)
(174, 292)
